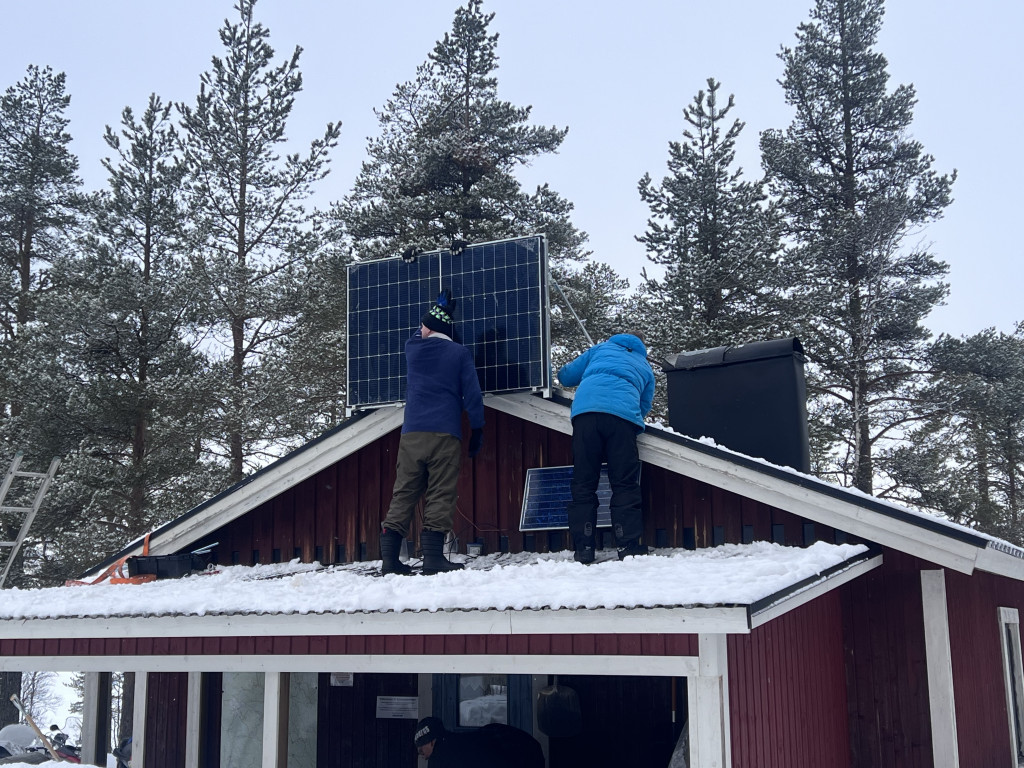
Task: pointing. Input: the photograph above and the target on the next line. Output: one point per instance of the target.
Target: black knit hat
(439, 318)
(428, 729)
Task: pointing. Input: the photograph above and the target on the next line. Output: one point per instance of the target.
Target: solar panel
(547, 496)
(501, 316)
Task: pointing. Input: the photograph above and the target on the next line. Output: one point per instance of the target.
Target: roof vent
(750, 398)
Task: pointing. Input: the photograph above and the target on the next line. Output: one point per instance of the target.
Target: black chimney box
(750, 398)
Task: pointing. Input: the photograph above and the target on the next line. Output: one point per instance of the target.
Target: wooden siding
(335, 516)
(166, 704)
(787, 692)
(402, 645)
(983, 731)
(886, 675)
(349, 733)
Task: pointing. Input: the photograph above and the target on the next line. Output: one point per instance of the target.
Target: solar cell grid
(547, 495)
(501, 316)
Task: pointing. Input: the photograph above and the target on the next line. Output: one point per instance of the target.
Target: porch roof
(745, 584)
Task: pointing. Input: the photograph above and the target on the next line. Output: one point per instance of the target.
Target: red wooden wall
(336, 515)
(166, 707)
(983, 729)
(787, 692)
(886, 674)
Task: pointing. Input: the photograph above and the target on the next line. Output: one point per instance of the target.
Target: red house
(906, 654)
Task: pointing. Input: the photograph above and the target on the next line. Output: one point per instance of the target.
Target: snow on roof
(732, 574)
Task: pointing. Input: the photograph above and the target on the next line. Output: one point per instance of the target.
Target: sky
(618, 76)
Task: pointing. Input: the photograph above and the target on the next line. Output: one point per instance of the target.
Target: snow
(731, 574)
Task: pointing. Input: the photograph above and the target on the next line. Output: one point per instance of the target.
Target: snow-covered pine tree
(253, 240)
(442, 168)
(854, 186)
(116, 365)
(714, 235)
(38, 200)
(966, 459)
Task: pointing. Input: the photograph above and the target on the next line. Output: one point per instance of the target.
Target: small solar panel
(501, 316)
(547, 496)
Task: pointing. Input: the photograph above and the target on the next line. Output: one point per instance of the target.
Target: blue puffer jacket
(613, 377)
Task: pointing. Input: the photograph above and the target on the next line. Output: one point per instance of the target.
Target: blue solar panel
(501, 316)
(547, 496)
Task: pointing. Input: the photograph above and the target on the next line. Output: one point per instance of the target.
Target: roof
(929, 537)
(729, 588)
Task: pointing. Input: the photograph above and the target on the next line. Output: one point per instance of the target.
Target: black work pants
(596, 438)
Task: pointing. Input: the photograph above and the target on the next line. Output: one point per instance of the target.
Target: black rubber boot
(633, 549)
(390, 547)
(434, 560)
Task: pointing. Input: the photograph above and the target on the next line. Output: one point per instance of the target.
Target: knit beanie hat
(439, 318)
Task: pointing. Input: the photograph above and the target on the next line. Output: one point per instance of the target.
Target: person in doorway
(441, 384)
(495, 745)
(615, 390)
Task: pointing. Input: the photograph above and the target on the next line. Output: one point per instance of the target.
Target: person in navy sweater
(441, 384)
(615, 392)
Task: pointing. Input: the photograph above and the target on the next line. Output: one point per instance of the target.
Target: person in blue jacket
(615, 390)
(441, 384)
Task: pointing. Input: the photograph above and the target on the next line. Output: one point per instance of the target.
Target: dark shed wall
(166, 713)
(335, 516)
(787, 692)
(886, 674)
(973, 604)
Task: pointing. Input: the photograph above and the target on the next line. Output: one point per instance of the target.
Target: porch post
(96, 718)
(193, 719)
(275, 720)
(139, 719)
(708, 698)
(939, 659)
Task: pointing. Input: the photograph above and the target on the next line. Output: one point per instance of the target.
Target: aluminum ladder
(44, 479)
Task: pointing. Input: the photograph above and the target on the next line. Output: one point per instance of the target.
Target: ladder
(43, 479)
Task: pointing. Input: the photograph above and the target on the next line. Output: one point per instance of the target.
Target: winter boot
(633, 548)
(583, 544)
(434, 560)
(390, 547)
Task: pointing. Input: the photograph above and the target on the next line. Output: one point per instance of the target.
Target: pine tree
(443, 166)
(966, 460)
(38, 201)
(122, 397)
(854, 186)
(714, 235)
(253, 244)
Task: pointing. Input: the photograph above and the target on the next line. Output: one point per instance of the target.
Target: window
(474, 700)
(482, 699)
(1009, 625)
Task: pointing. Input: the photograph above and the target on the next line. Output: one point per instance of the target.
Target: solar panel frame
(502, 316)
(547, 494)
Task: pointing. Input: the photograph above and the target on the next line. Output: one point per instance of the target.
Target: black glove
(475, 441)
(458, 246)
(409, 254)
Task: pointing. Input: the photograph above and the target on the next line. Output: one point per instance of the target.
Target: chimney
(750, 398)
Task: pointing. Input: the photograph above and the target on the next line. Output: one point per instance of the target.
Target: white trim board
(731, 620)
(579, 664)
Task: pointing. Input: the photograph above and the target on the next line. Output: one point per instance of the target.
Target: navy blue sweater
(442, 383)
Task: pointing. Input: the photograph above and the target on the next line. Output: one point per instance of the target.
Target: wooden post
(96, 718)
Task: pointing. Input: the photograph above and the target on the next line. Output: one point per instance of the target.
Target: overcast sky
(618, 75)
